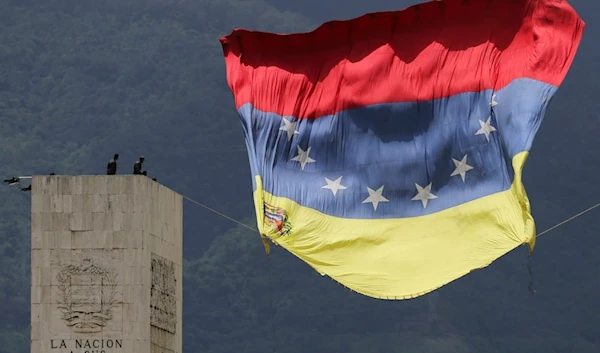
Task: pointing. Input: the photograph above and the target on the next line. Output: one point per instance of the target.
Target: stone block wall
(106, 272)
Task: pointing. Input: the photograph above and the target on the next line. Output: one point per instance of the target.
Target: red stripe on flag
(428, 51)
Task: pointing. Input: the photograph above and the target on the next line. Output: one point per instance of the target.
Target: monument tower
(106, 265)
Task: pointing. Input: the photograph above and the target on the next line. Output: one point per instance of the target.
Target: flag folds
(387, 151)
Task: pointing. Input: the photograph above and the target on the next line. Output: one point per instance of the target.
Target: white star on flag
(303, 157)
(375, 197)
(289, 127)
(334, 186)
(486, 128)
(493, 103)
(461, 167)
(424, 194)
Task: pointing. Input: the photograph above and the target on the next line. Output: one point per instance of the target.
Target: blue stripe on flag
(410, 143)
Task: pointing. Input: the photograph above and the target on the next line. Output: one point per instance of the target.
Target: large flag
(387, 151)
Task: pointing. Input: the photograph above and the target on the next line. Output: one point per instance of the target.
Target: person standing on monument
(111, 168)
(137, 167)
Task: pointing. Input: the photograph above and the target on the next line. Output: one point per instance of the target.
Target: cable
(569, 219)
(256, 230)
(219, 213)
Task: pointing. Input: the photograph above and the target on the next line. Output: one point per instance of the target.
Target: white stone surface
(96, 241)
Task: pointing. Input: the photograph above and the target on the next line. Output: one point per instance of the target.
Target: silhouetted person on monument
(111, 168)
(137, 167)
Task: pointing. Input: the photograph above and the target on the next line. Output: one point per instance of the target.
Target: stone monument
(106, 265)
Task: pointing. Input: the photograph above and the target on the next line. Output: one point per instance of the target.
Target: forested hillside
(81, 80)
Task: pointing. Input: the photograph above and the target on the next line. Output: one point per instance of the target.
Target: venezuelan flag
(387, 150)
